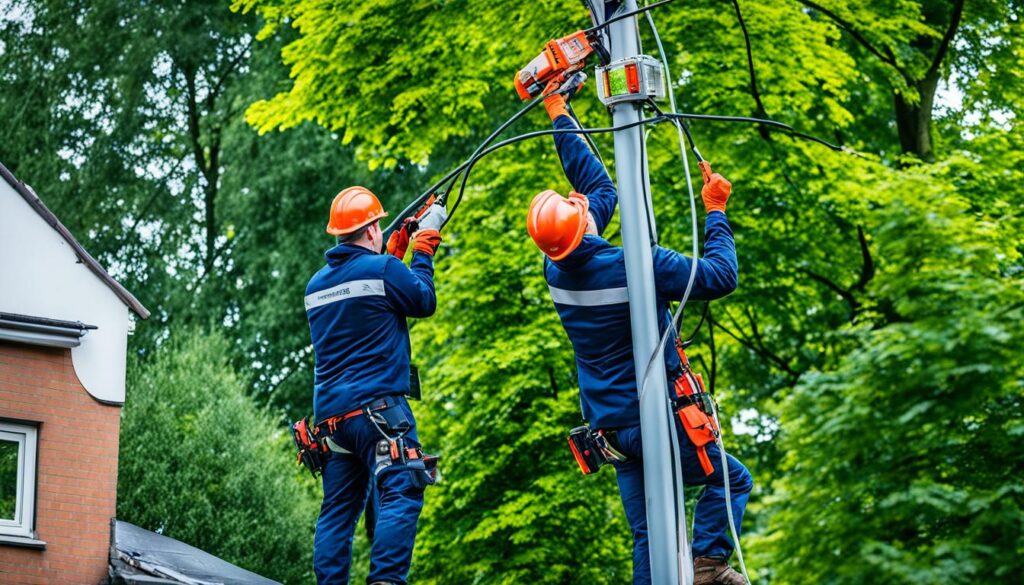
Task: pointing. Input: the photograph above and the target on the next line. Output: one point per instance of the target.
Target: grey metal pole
(636, 229)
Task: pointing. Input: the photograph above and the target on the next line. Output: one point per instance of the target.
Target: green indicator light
(617, 81)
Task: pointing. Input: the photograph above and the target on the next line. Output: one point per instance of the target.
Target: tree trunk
(211, 226)
(914, 120)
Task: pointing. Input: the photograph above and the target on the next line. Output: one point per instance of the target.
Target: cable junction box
(631, 79)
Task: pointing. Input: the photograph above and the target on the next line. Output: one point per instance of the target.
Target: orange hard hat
(352, 209)
(557, 223)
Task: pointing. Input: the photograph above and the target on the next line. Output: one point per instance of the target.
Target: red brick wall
(76, 487)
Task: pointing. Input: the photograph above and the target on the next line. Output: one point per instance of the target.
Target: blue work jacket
(588, 288)
(357, 307)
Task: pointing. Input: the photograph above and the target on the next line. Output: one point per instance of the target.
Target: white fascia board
(43, 277)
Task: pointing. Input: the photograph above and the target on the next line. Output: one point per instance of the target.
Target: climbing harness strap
(593, 448)
(331, 424)
(315, 443)
(694, 407)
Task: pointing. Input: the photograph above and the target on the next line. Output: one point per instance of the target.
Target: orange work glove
(555, 105)
(560, 90)
(716, 189)
(426, 241)
(398, 243)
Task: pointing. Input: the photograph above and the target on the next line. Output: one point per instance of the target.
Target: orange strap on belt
(333, 422)
(700, 427)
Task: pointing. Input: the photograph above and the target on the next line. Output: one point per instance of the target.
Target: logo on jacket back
(346, 290)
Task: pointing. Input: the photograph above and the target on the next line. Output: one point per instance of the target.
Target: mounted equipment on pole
(630, 79)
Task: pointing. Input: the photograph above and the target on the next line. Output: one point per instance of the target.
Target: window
(18, 444)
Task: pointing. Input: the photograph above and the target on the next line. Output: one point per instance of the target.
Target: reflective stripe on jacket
(357, 307)
(588, 288)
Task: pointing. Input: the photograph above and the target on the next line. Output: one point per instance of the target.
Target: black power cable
(468, 166)
(488, 140)
(453, 175)
(619, 17)
(696, 330)
(763, 121)
(682, 125)
(583, 131)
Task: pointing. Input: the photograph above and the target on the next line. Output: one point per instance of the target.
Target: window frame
(26, 436)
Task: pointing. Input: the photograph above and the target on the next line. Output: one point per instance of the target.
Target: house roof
(44, 212)
(139, 556)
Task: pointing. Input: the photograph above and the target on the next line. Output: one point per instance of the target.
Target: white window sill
(22, 541)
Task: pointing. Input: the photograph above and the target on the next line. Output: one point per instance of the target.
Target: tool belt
(695, 409)
(594, 448)
(393, 452)
(315, 445)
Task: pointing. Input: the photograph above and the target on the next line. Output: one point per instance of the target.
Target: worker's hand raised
(426, 241)
(434, 217)
(716, 189)
(566, 86)
(559, 91)
(398, 243)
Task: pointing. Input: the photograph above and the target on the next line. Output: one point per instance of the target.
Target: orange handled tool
(559, 56)
(414, 225)
(716, 190)
(398, 243)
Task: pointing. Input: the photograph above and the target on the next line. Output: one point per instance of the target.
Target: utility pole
(637, 226)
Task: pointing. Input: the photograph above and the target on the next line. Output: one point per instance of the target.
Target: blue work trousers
(347, 482)
(710, 522)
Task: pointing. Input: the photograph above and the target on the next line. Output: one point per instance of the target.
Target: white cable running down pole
(693, 209)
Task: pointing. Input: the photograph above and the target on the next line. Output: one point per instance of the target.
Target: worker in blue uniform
(357, 306)
(586, 276)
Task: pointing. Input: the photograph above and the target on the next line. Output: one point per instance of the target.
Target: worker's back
(357, 307)
(589, 291)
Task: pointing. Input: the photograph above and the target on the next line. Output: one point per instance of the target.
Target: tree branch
(947, 39)
(753, 326)
(867, 271)
(195, 134)
(887, 58)
(761, 351)
(842, 292)
(152, 199)
(554, 383)
(215, 91)
(218, 252)
(753, 75)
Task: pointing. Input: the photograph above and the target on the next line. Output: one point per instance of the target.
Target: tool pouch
(394, 455)
(423, 469)
(584, 449)
(694, 409)
(592, 449)
(313, 453)
(392, 420)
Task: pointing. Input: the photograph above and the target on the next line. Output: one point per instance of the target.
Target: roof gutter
(41, 331)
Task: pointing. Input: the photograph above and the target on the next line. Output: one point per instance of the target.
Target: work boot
(715, 571)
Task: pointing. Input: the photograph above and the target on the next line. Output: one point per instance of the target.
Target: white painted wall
(41, 276)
